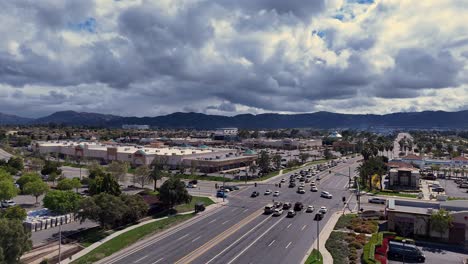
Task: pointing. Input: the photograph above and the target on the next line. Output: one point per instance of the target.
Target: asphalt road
(240, 233)
(5, 155)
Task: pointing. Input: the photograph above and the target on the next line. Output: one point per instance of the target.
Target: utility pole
(60, 243)
(349, 177)
(224, 189)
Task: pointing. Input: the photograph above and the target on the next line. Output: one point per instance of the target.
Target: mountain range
(327, 120)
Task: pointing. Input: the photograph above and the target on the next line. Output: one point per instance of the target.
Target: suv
(298, 206)
(326, 194)
(278, 212)
(405, 251)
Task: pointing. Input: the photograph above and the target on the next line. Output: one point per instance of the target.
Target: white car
(267, 192)
(276, 193)
(313, 189)
(323, 210)
(301, 190)
(326, 194)
(8, 203)
(278, 212)
(310, 209)
(283, 180)
(302, 184)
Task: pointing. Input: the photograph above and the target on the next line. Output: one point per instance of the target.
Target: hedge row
(368, 256)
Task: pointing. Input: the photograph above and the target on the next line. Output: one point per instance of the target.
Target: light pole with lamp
(318, 217)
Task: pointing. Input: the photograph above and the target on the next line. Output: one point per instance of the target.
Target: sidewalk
(113, 235)
(326, 231)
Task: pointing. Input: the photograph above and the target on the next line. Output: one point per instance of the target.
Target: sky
(149, 58)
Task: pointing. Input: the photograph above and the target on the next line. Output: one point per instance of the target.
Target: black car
(286, 206)
(298, 206)
(255, 194)
(405, 252)
(291, 213)
(292, 185)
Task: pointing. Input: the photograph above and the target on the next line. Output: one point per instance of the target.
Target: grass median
(314, 258)
(128, 238)
(190, 206)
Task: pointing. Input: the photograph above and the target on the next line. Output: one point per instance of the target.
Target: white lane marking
(255, 241)
(245, 210)
(288, 226)
(235, 209)
(303, 227)
(158, 260)
(198, 237)
(235, 242)
(184, 236)
(271, 243)
(140, 259)
(288, 244)
(212, 221)
(225, 222)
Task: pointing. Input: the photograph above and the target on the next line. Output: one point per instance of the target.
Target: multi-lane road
(239, 232)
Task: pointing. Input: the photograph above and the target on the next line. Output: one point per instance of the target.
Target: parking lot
(452, 189)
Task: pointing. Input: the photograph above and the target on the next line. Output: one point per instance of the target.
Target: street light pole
(224, 189)
(318, 237)
(60, 243)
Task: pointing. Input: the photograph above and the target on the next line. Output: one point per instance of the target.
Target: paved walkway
(113, 235)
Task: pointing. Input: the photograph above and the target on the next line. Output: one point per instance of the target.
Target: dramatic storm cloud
(146, 58)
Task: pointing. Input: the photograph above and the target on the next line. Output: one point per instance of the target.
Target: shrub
(355, 245)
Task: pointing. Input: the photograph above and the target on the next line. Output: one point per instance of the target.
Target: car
(278, 212)
(312, 183)
(292, 185)
(377, 200)
(269, 208)
(286, 206)
(302, 179)
(255, 194)
(405, 251)
(438, 189)
(8, 203)
(301, 190)
(302, 184)
(323, 210)
(267, 192)
(291, 213)
(278, 204)
(307, 180)
(190, 185)
(234, 187)
(283, 180)
(298, 206)
(276, 193)
(221, 194)
(313, 189)
(310, 209)
(326, 194)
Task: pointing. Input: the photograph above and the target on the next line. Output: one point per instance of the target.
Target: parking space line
(303, 227)
(288, 244)
(245, 210)
(271, 243)
(288, 226)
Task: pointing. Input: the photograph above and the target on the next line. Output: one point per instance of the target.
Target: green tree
(173, 192)
(118, 169)
(441, 221)
(140, 175)
(14, 240)
(136, 207)
(264, 161)
(69, 184)
(8, 190)
(26, 178)
(303, 156)
(51, 167)
(36, 188)
(14, 212)
(106, 209)
(104, 184)
(16, 162)
(95, 170)
(157, 172)
(276, 159)
(62, 202)
(4, 175)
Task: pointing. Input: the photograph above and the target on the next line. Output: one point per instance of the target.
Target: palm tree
(157, 172)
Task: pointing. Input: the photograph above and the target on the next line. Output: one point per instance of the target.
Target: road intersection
(239, 232)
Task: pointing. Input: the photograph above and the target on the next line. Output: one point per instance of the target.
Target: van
(269, 208)
(405, 252)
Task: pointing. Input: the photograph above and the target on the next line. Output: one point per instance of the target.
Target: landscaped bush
(337, 246)
(355, 245)
(368, 255)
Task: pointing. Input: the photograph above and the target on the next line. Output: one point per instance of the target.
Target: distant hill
(426, 119)
(13, 120)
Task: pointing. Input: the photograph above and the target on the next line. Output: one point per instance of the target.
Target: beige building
(404, 178)
(413, 221)
(286, 143)
(218, 158)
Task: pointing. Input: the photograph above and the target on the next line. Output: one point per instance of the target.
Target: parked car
(301, 190)
(310, 209)
(438, 189)
(313, 189)
(377, 200)
(405, 251)
(326, 194)
(283, 180)
(8, 203)
(276, 193)
(292, 185)
(254, 194)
